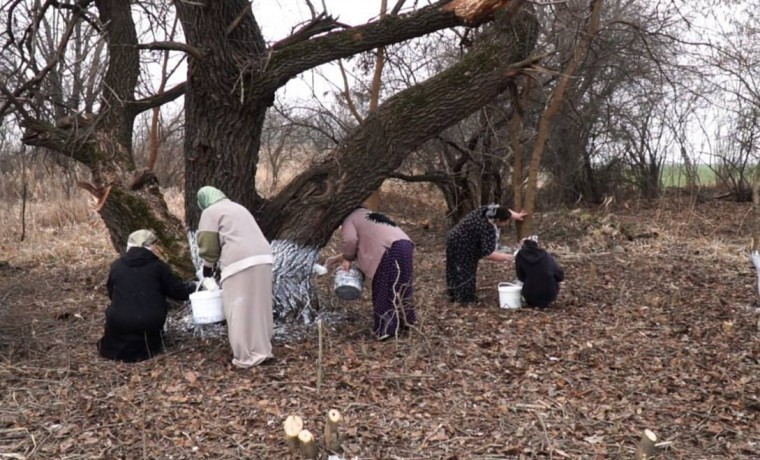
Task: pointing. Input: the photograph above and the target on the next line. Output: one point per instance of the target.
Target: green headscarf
(209, 195)
(141, 239)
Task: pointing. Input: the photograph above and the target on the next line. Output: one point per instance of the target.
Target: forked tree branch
(320, 24)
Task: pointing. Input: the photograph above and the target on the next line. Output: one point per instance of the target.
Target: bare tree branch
(312, 9)
(347, 94)
(17, 102)
(436, 177)
(238, 19)
(136, 107)
(34, 81)
(173, 46)
(80, 10)
(397, 7)
(320, 24)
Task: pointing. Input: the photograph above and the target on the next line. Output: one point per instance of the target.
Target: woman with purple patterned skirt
(385, 254)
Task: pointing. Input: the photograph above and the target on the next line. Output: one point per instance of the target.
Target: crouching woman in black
(539, 274)
(138, 285)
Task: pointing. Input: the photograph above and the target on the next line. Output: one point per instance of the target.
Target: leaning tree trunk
(307, 211)
(233, 78)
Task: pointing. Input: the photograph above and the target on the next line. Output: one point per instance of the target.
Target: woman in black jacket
(138, 285)
(539, 273)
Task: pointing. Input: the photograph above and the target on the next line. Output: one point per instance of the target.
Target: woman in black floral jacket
(474, 238)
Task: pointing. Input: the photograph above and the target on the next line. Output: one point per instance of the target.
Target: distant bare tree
(557, 98)
(636, 52)
(737, 152)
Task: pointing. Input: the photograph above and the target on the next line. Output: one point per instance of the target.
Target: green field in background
(673, 175)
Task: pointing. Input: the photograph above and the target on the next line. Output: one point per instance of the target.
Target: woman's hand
(517, 215)
(331, 261)
(498, 256)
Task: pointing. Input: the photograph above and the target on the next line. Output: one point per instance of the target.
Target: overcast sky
(277, 17)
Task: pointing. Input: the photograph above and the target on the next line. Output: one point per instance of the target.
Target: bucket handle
(198, 285)
(504, 283)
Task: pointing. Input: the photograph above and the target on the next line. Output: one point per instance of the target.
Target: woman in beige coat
(228, 236)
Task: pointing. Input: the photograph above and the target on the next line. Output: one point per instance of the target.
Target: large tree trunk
(234, 80)
(225, 103)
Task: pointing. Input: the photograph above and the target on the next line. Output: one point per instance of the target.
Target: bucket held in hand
(510, 295)
(348, 284)
(207, 307)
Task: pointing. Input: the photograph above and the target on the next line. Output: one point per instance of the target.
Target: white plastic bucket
(348, 284)
(207, 307)
(510, 295)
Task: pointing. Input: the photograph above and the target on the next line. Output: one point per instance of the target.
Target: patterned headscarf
(491, 210)
(141, 239)
(209, 195)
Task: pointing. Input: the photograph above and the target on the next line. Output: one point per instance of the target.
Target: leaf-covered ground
(655, 328)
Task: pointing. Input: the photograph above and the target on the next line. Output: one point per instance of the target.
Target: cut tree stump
(647, 448)
(309, 447)
(332, 430)
(293, 426)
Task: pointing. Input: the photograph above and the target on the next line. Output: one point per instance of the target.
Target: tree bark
(225, 103)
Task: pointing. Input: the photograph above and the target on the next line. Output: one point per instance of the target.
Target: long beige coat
(229, 235)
